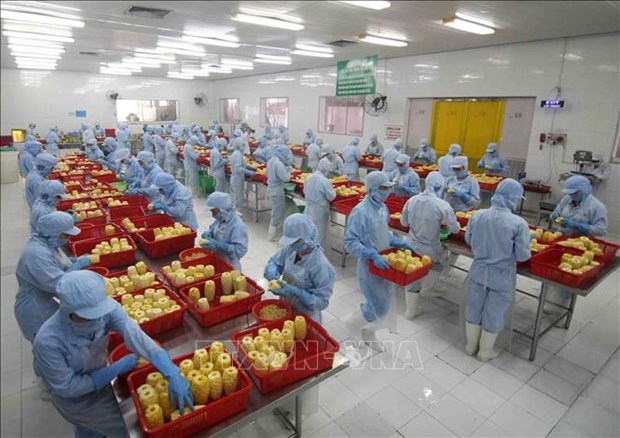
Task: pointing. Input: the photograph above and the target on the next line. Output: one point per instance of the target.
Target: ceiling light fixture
(211, 41)
(236, 62)
(376, 5)
(271, 61)
(178, 45)
(38, 36)
(175, 75)
(382, 41)
(108, 71)
(33, 49)
(35, 58)
(36, 61)
(33, 43)
(469, 24)
(313, 48)
(14, 6)
(36, 67)
(267, 21)
(209, 34)
(47, 30)
(41, 19)
(314, 54)
(199, 53)
(273, 57)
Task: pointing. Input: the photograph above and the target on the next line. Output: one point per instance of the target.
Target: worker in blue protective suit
(307, 276)
(108, 145)
(98, 130)
(70, 355)
(218, 165)
(493, 162)
(123, 136)
(366, 235)
(114, 160)
(177, 200)
(319, 193)
(41, 264)
(425, 153)
(87, 133)
(462, 191)
(278, 172)
(215, 124)
(190, 164)
(309, 139)
(313, 152)
(499, 239)
(389, 156)
(93, 152)
(172, 162)
(51, 193)
(424, 214)
(52, 140)
(406, 181)
(130, 170)
(212, 140)
(43, 165)
(284, 135)
(150, 169)
(197, 131)
(186, 133)
(337, 165)
(262, 153)
(147, 139)
(268, 133)
(30, 132)
(444, 164)
(352, 155)
(32, 148)
(227, 235)
(374, 147)
(578, 213)
(160, 146)
(238, 173)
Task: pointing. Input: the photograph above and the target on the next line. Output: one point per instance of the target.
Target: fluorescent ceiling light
(123, 66)
(236, 62)
(267, 21)
(181, 51)
(272, 61)
(47, 30)
(376, 5)
(315, 54)
(36, 67)
(38, 36)
(195, 72)
(50, 5)
(41, 19)
(14, 6)
(273, 57)
(36, 55)
(239, 67)
(34, 43)
(36, 61)
(33, 49)
(208, 34)
(178, 45)
(175, 75)
(474, 19)
(382, 41)
(35, 58)
(468, 26)
(210, 41)
(115, 71)
(313, 48)
(141, 61)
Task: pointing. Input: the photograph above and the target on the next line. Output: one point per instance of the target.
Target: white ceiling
(113, 34)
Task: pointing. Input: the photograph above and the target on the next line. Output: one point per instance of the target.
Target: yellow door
(484, 125)
(449, 122)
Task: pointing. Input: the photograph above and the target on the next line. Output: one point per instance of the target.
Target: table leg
(298, 416)
(569, 315)
(541, 303)
(256, 201)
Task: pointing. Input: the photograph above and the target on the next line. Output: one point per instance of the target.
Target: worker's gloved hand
(488, 166)
(133, 191)
(216, 245)
(461, 194)
(80, 263)
(582, 227)
(367, 253)
(206, 235)
(249, 173)
(179, 393)
(158, 205)
(104, 375)
(379, 261)
(271, 272)
(286, 290)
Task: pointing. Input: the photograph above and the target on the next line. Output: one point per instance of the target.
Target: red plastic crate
(119, 213)
(90, 187)
(609, 250)
(212, 413)
(107, 178)
(99, 220)
(219, 265)
(111, 260)
(309, 358)
(162, 248)
(399, 277)
(119, 274)
(422, 173)
(67, 204)
(221, 312)
(195, 254)
(545, 264)
(490, 186)
(395, 207)
(151, 221)
(80, 178)
(121, 351)
(262, 179)
(464, 220)
(371, 164)
(94, 231)
(536, 188)
(101, 270)
(348, 184)
(132, 200)
(256, 308)
(346, 205)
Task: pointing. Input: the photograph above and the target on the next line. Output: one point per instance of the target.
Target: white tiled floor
(423, 385)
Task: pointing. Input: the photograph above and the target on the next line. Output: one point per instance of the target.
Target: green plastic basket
(206, 182)
(289, 187)
(301, 208)
(121, 186)
(444, 233)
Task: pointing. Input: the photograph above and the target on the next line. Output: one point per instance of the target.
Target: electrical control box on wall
(553, 138)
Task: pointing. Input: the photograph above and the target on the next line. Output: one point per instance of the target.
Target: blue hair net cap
(460, 161)
(577, 183)
(238, 143)
(435, 180)
(193, 140)
(159, 130)
(454, 149)
(403, 159)
(491, 147)
(164, 180)
(355, 141)
(398, 144)
(298, 226)
(219, 200)
(510, 188)
(221, 143)
(52, 188)
(324, 166)
(46, 160)
(119, 154)
(174, 135)
(326, 150)
(373, 137)
(318, 140)
(211, 133)
(374, 180)
(56, 223)
(33, 146)
(146, 156)
(237, 132)
(425, 142)
(84, 293)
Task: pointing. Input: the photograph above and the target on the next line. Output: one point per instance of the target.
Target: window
(273, 111)
(146, 111)
(229, 111)
(341, 115)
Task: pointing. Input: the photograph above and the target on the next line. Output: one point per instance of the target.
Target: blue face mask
(577, 196)
(380, 195)
(402, 169)
(87, 329)
(300, 246)
(461, 173)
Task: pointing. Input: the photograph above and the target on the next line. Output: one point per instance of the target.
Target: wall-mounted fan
(375, 104)
(200, 99)
(112, 96)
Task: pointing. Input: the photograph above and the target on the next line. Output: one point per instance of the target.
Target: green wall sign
(357, 77)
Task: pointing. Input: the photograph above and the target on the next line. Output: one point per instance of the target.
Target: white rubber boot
(472, 333)
(370, 338)
(413, 308)
(272, 234)
(486, 351)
